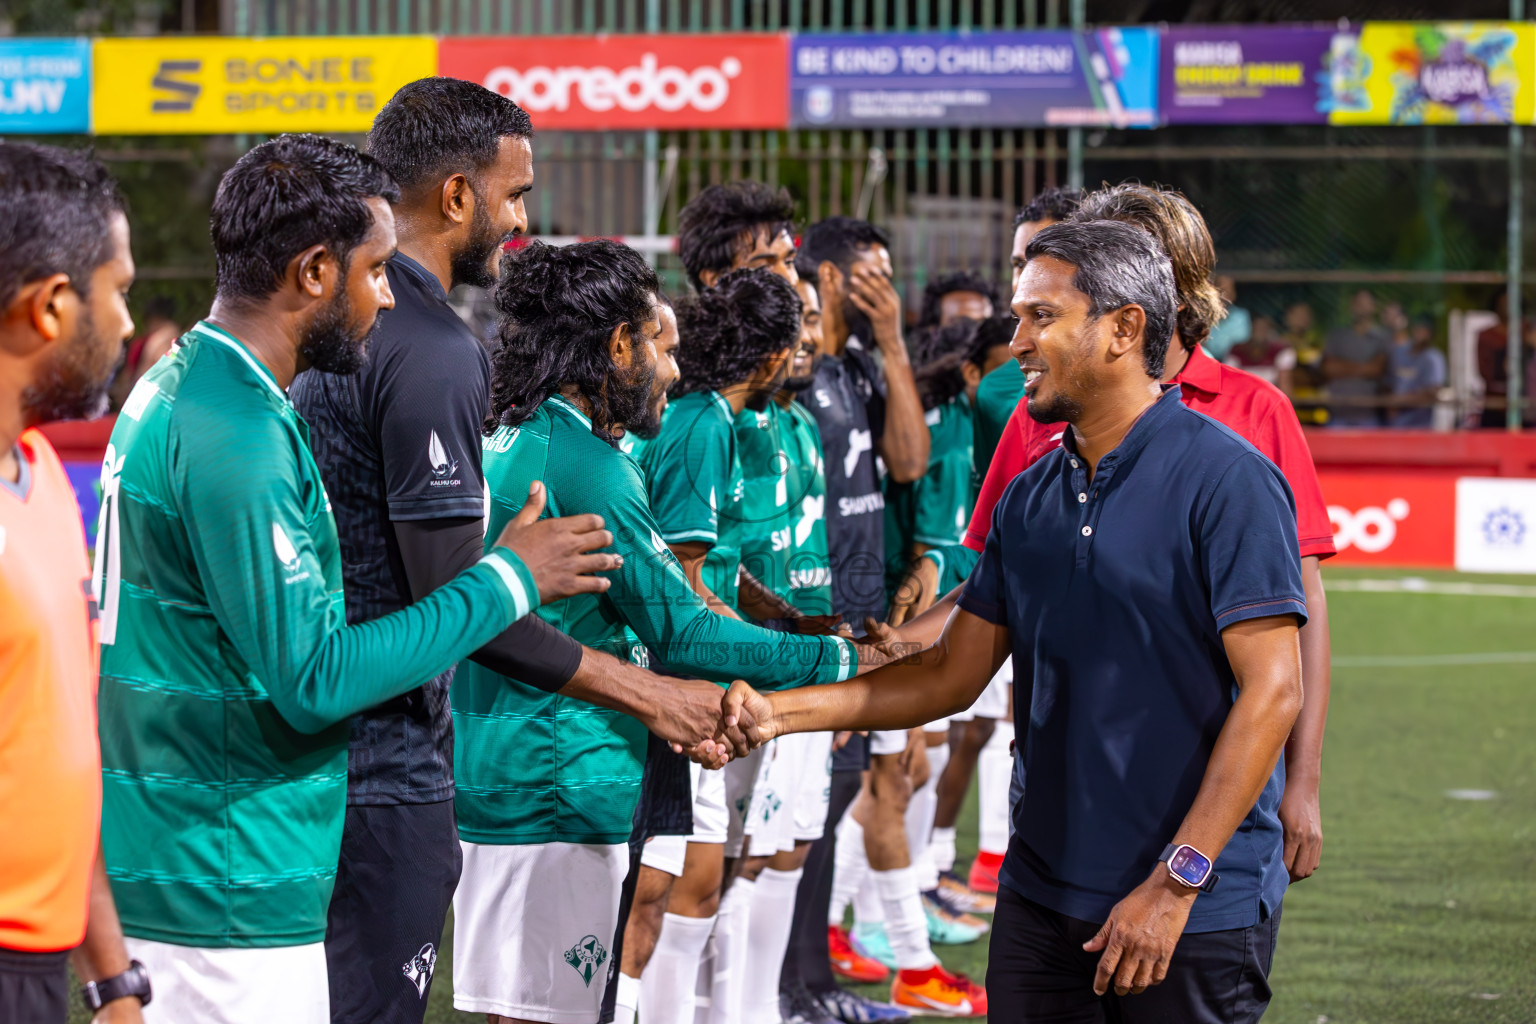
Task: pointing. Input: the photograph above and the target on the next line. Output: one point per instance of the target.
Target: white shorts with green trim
(532, 929)
(234, 986)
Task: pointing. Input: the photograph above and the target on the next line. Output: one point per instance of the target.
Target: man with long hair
(585, 359)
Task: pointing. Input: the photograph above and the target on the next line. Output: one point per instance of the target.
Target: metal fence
(1305, 213)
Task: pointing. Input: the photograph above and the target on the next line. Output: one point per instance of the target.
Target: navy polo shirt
(1115, 592)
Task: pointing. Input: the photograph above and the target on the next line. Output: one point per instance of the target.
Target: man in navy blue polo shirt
(1147, 577)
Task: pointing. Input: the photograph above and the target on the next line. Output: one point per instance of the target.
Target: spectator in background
(1236, 329)
(1266, 355)
(963, 295)
(1305, 386)
(160, 332)
(1416, 370)
(1354, 364)
(1493, 364)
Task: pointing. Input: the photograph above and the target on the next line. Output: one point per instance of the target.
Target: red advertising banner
(1392, 519)
(632, 82)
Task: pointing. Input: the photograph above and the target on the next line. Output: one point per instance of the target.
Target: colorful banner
(45, 85)
(1249, 74)
(1438, 73)
(1391, 518)
(633, 82)
(983, 79)
(178, 86)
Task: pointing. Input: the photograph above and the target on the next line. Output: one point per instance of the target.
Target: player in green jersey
(928, 517)
(547, 786)
(780, 449)
(228, 669)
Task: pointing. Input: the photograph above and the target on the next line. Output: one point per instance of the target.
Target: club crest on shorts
(586, 957)
(418, 969)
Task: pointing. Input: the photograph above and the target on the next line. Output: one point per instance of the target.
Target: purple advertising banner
(1215, 74)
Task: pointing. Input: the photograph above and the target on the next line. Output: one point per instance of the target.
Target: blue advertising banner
(1106, 77)
(45, 86)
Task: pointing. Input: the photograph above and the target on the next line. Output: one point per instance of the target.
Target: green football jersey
(785, 544)
(535, 767)
(934, 510)
(693, 475)
(955, 562)
(996, 398)
(227, 667)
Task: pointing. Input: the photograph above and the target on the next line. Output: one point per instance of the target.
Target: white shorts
(744, 779)
(993, 702)
(532, 929)
(234, 986)
(887, 742)
(813, 792)
(710, 825)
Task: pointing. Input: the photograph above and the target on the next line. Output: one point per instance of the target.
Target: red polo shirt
(1253, 407)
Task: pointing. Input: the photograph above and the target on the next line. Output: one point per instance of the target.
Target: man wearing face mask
(398, 445)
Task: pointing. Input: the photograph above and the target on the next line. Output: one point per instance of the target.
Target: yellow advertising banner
(1407, 72)
(197, 86)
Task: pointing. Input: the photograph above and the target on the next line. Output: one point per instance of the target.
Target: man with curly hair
(585, 359)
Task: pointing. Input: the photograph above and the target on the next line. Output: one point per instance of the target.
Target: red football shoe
(984, 872)
(938, 993)
(848, 962)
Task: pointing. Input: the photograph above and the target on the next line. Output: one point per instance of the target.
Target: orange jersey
(50, 760)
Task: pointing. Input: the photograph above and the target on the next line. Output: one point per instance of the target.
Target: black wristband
(132, 982)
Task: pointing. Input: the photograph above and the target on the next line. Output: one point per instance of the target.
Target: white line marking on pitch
(1471, 794)
(1419, 585)
(1418, 660)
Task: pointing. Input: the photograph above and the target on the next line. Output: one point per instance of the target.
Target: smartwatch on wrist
(1189, 867)
(132, 982)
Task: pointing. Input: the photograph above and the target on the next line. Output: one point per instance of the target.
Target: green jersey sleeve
(652, 596)
(253, 546)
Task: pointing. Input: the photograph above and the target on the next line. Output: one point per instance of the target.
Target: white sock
(994, 768)
(731, 928)
(867, 908)
(850, 866)
(667, 987)
(920, 812)
(941, 847)
(773, 910)
(627, 1001)
(906, 926)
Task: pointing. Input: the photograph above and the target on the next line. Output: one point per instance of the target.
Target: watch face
(1190, 865)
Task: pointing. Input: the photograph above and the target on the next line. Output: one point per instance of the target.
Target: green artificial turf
(1422, 911)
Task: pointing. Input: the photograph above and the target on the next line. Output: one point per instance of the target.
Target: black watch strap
(132, 982)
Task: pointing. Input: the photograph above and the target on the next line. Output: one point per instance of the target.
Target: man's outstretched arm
(940, 681)
(683, 712)
(1143, 929)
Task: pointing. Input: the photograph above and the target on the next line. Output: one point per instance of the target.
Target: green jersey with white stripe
(693, 475)
(785, 499)
(535, 767)
(934, 510)
(227, 667)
